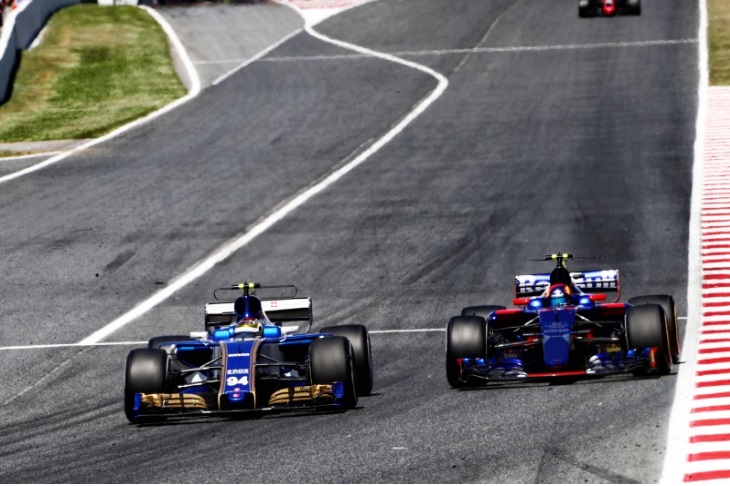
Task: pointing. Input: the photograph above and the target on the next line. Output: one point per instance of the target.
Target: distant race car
(560, 328)
(246, 362)
(608, 8)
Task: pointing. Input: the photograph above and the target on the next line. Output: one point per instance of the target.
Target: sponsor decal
(237, 371)
(533, 283)
(239, 355)
(605, 279)
(597, 279)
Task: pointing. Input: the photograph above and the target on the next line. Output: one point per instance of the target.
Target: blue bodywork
(246, 361)
(557, 330)
(561, 328)
(232, 375)
(538, 340)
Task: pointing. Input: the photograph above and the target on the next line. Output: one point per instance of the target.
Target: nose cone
(609, 7)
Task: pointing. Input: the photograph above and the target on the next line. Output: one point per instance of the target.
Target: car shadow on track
(561, 381)
(242, 417)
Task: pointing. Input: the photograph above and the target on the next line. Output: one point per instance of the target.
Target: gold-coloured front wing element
(172, 400)
(307, 393)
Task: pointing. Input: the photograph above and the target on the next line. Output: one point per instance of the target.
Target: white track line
(228, 249)
(69, 345)
(178, 46)
(135, 343)
(255, 58)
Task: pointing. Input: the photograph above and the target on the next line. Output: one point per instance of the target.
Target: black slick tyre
(670, 312)
(466, 337)
(362, 356)
(330, 360)
(646, 327)
(145, 372)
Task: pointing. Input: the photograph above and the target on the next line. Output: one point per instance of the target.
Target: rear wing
(284, 309)
(590, 281)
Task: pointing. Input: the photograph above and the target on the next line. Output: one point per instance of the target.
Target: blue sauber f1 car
(246, 362)
(561, 328)
(608, 8)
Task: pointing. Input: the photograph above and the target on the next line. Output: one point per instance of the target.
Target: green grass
(5, 153)
(97, 68)
(718, 31)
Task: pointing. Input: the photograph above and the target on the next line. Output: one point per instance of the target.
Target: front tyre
(666, 302)
(330, 360)
(646, 327)
(146, 372)
(362, 355)
(466, 337)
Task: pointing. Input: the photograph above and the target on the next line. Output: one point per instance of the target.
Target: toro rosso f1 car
(245, 361)
(608, 8)
(561, 328)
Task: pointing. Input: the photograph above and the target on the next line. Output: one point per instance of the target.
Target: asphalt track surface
(583, 145)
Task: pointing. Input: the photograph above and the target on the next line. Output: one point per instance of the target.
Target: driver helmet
(560, 295)
(248, 316)
(248, 327)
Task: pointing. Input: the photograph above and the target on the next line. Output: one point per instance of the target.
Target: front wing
(290, 399)
(602, 364)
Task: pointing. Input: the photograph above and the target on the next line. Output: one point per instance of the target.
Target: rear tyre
(646, 327)
(586, 8)
(146, 372)
(330, 360)
(666, 302)
(466, 337)
(362, 355)
(634, 7)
